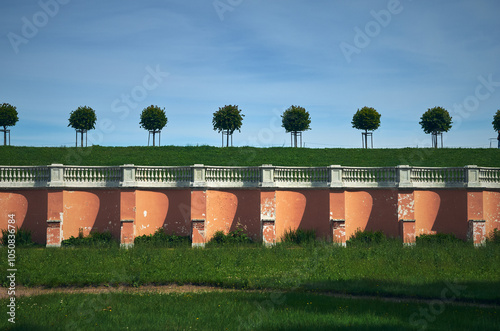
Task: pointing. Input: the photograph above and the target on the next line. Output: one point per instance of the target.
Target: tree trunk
(227, 137)
(295, 138)
(154, 131)
(81, 141)
(366, 139)
(5, 136)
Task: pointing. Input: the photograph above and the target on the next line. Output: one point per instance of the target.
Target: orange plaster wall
(169, 209)
(337, 205)
(30, 210)
(233, 209)
(374, 210)
(304, 209)
(491, 212)
(441, 211)
(92, 210)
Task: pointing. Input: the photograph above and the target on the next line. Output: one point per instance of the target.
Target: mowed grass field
(247, 156)
(448, 286)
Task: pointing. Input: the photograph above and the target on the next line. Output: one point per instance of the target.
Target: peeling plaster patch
(61, 216)
(145, 213)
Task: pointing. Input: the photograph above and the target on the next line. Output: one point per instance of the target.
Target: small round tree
(82, 119)
(368, 119)
(227, 120)
(496, 125)
(153, 119)
(295, 119)
(436, 121)
(8, 117)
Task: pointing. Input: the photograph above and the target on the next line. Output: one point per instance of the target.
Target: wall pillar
(407, 231)
(475, 214)
(477, 232)
(406, 217)
(127, 218)
(55, 215)
(198, 218)
(268, 217)
(338, 231)
(337, 217)
(127, 233)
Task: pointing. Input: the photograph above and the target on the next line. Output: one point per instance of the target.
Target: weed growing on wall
(366, 238)
(235, 237)
(94, 239)
(438, 238)
(494, 237)
(23, 238)
(161, 239)
(299, 237)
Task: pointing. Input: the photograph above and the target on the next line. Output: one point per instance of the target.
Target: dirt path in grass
(173, 288)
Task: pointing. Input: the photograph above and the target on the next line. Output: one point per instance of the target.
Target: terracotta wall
(170, 209)
(229, 210)
(441, 211)
(435, 211)
(374, 210)
(30, 210)
(304, 209)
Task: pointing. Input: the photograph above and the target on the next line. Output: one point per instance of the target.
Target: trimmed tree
(368, 119)
(295, 119)
(496, 121)
(496, 125)
(153, 119)
(8, 117)
(436, 121)
(227, 120)
(82, 119)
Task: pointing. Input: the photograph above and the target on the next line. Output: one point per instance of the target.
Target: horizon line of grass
(247, 156)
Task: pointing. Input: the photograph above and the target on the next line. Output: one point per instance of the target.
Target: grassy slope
(239, 311)
(389, 269)
(247, 156)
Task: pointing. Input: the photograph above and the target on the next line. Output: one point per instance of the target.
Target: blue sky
(192, 57)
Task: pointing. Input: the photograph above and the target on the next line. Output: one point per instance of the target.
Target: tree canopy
(296, 119)
(436, 120)
(153, 118)
(496, 121)
(228, 118)
(366, 118)
(83, 118)
(8, 117)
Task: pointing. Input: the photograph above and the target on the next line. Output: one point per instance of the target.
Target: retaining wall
(261, 201)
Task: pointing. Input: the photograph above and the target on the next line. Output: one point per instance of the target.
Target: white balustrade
(489, 175)
(163, 174)
(438, 177)
(24, 176)
(237, 177)
(301, 176)
(76, 176)
(373, 177)
(232, 176)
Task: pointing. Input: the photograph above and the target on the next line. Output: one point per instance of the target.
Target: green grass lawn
(239, 311)
(247, 156)
(385, 270)
(291, 287)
